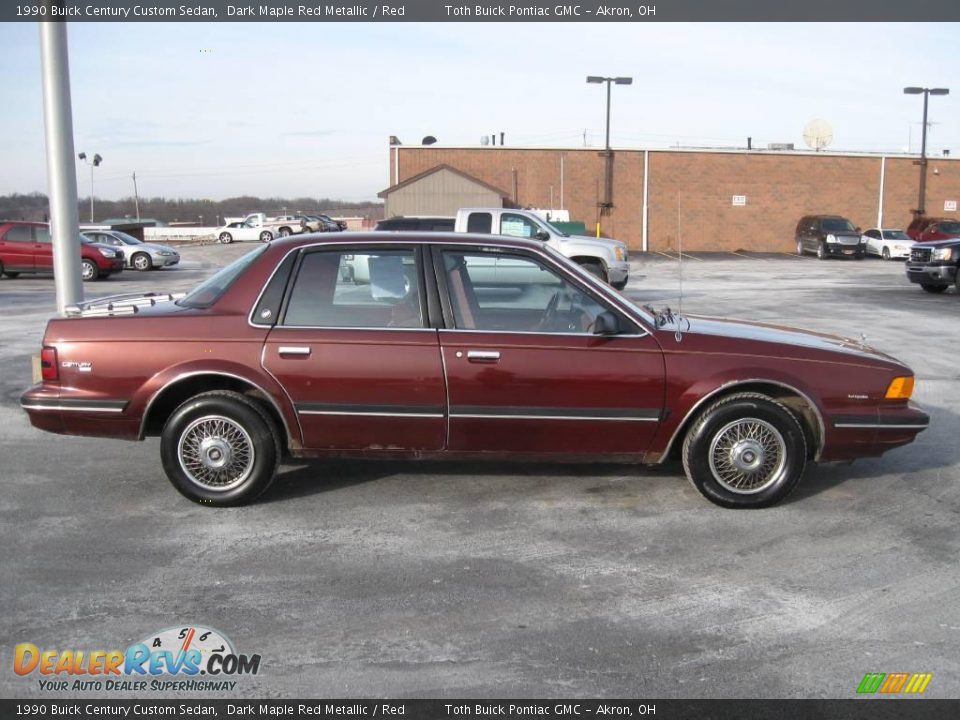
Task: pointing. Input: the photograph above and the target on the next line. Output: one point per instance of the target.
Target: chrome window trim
(345, 328)
(533, 332)
(735, 383)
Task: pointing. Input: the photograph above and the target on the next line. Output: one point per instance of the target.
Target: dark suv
(933, 265)
(25, 247)
(420, 224)
(829, 235)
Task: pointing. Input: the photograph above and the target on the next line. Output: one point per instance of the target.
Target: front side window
(517, 226)
(351, 289)
(502, 292)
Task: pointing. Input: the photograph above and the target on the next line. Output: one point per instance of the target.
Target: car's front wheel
(822, 251)
(226, 238)
(595, 269)
(89, 270)
(219, 448)
(266, 236)
(285, 232)
(745, 451)
(935, 289)
(141, 262)
(799, 247)
(885, 253)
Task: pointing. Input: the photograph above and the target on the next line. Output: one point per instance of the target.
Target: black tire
(619, 285)
(285, 232)
(717, 455)
(220, 426)
(885, 253)
(141, 261)
(89, 270)
(595, 269)
(266, 236)
(225, 238)
(935, 289)
(11, 275)
(800, 250)
(822, 251)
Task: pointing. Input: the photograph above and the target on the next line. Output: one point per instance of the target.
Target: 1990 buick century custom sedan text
(457, 346)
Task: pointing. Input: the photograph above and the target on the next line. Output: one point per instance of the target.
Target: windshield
(208, 292)
(837, 225)
(128, 239)
(895, 235)
(552, 228)
(951, 228)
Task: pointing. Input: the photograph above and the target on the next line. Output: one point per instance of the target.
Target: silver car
(140, 255)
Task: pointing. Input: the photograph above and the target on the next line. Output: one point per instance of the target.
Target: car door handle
(490, 356)
(293, 350)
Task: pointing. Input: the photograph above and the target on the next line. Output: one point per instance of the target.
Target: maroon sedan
(457, 346)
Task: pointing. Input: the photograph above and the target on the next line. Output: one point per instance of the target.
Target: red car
(459, 346)
(25, 247)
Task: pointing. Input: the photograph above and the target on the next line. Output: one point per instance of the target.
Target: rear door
(357, 358)
(42, 249)
(526, 374)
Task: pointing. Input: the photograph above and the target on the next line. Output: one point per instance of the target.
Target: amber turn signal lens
(901, 388)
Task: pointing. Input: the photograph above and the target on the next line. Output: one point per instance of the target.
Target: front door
(526, 373)
(360, 365)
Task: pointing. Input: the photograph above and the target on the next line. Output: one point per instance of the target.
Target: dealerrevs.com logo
(180, 658)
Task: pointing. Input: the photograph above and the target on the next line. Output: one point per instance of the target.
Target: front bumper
(841, 250)
(871, 435)
(160, 261)
(618, 272)
(931, 274)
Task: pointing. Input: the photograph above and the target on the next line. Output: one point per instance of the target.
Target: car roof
(410, 237)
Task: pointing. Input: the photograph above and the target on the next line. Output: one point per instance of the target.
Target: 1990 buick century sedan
(456, 346)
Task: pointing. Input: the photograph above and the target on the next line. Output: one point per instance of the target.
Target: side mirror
(606, 324)
(542, 235)
(858, 229)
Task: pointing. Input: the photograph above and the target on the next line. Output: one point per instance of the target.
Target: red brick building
(715, 199)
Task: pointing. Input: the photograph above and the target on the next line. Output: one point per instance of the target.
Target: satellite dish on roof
(817, 134)
(428, 140)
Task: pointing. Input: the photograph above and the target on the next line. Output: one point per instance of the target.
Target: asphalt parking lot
(468, 580)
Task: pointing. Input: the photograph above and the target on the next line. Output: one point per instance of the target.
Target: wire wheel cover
(216, 453)
(747, 456)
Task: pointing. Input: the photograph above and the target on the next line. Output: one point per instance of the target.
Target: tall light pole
(926, 92)
(608, 174)
(93, 162)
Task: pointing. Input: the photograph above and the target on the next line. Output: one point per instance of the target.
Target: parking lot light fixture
(608, 185)
(926, 92)
(92, 162)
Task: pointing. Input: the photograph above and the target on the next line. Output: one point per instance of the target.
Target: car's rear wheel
(285, 232)
(9, 274)
(266, 236)
(885, 253)
(745, 451)
(935, 289)
(595, 269)
(220, 448)
(89, 270)
(822, 251)
(226, 238)
(141, 261)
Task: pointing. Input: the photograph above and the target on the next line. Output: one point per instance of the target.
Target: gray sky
(217, 110)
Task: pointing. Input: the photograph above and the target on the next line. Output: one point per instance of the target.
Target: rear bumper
(931, 274)
(48, 409)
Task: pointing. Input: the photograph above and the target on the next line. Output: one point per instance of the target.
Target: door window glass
(41, 235)
(19, 233)
(494, 291)
(480, 222)
(348, 289)
(517, 226)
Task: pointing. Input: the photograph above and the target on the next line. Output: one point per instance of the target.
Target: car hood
(936, 243)
(587, 240)
(741, 331)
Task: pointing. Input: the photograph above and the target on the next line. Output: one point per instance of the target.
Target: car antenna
(678, 335)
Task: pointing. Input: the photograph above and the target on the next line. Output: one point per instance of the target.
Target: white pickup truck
(605, 258)
(280, 226)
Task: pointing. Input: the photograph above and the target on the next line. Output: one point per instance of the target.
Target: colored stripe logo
(893, 683)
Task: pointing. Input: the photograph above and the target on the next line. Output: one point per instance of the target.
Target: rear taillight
(48, 364)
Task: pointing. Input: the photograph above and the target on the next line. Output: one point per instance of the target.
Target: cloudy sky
(216, 110)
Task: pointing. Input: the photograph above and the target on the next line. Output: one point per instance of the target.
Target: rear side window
(480, 222)
(19, 233)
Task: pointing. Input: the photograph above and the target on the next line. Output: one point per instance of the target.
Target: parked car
(243, 231)
(26, 247)
(277, 354)
(829, 236)
(942, 229)
(325, 223)
(921, 223)
(139, 255)
(934, 265)
(887, 243)
(429, 223)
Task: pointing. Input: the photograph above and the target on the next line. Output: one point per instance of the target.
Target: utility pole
(136, 196)
(926, 92)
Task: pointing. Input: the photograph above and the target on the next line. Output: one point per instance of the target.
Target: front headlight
(619, 253)
(831, 238)
(166, 253)
(943, 253)
(107, 252)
